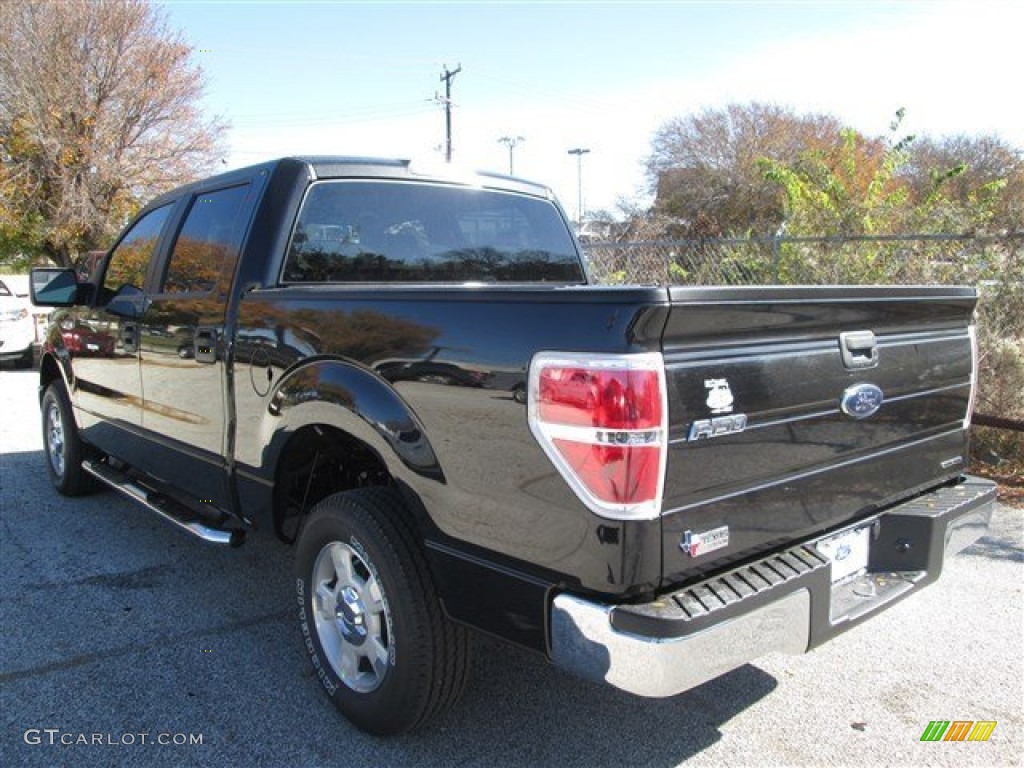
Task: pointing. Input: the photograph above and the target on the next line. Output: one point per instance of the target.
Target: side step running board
(166, 507)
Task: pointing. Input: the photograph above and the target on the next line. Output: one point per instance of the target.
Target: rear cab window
(415, 232)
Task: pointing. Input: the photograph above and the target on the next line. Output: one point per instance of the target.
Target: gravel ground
(119, 629)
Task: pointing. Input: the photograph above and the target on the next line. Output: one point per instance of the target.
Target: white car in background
(17, 321)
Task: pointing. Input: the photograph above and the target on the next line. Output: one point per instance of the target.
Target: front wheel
(372, 624)
(62, 444)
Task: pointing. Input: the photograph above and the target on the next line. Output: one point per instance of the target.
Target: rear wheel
(62, 444)
(373, 626)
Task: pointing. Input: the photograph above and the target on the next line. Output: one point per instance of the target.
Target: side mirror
(128, 302)
(53, 287)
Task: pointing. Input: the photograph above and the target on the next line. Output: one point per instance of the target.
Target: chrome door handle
(206, 345)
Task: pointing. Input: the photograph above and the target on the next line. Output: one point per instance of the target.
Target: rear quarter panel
(453, 358)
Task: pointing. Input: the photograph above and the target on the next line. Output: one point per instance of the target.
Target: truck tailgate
(794, 411)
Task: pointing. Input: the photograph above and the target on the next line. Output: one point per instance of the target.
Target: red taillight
(601, 420)
(612, 399)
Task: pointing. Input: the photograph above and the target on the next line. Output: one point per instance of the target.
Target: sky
(364, 78)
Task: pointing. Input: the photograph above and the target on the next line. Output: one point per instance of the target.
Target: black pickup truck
(406, 376)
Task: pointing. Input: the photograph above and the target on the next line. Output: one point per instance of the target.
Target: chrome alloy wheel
(55, 445)
(352, 619)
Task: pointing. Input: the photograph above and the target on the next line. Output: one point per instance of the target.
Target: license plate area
(848, 552)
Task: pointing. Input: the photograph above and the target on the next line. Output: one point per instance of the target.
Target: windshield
(385, 231)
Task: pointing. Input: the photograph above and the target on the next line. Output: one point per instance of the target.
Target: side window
(206, 241)
(130, 259)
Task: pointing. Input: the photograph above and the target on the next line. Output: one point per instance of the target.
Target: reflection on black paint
(432, 369)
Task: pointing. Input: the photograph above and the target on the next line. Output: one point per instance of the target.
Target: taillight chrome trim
(546, 433)
(609, 437)
(972, 332)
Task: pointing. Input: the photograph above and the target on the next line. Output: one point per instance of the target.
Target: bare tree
(100, 109)
(964, 166)
(704, 166)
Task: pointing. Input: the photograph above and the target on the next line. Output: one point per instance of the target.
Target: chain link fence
(883, 259)
(995, 264)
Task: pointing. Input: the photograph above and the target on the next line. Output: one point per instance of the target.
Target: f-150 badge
(716, 427)
(719, 395)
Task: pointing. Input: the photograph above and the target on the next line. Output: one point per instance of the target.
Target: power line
(299, 56)
(540, 94)
(284, 120)
(314, 114)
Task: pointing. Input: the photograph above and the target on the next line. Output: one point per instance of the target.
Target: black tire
(27, 360)
(407, 662)
(62, 445)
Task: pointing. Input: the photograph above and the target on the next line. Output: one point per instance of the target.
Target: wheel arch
(50, 370)
(331, 425)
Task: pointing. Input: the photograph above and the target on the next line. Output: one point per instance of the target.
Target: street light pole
(511, 142)
(579, 152)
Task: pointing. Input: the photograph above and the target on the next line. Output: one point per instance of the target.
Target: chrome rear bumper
(785, 602)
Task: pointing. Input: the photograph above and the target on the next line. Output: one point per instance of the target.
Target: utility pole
(579, 152)
(511, 142)
(446, 77)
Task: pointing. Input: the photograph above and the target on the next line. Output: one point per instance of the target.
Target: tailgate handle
(859, 349)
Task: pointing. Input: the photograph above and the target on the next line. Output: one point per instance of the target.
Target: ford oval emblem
(861, 400)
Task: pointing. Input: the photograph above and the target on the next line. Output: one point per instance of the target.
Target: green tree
(861, 187)
(848, 188)
(99, 110)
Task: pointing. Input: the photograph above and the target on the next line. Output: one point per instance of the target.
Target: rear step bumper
(166, 507)
(785, 602)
